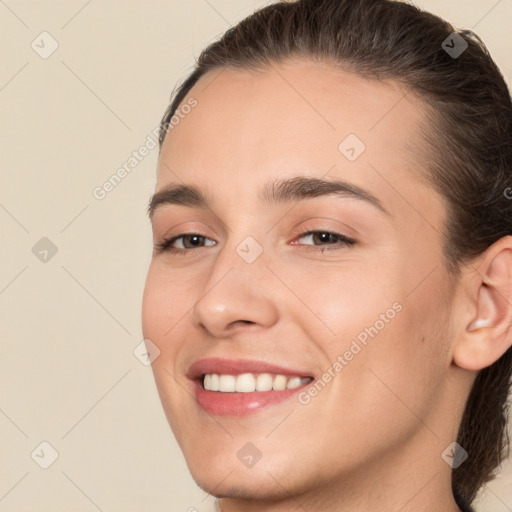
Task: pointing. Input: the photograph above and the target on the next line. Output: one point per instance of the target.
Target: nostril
(240, 323)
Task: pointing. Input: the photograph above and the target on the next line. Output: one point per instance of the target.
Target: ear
(487, 330)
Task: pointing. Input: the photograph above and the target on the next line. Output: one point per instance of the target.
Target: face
(339, 295)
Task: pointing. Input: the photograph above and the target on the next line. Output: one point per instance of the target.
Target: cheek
(159, 321)
(399, 373)
(165, 301)
(161, 311)
(153, 302)
(389, 343)
(344, 302)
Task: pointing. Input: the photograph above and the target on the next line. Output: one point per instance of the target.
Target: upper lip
(239, 366)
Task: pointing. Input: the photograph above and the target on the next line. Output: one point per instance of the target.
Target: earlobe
(488, 333)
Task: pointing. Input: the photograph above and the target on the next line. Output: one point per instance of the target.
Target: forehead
(298, 117)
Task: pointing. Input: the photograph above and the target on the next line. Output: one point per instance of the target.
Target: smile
(249, 382)
(229, 387)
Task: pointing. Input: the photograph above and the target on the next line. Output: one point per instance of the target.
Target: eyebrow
(292, 189)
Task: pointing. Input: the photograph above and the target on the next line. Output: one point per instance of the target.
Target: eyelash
(344, 241)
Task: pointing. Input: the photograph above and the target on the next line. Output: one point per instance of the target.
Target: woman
(330, 289)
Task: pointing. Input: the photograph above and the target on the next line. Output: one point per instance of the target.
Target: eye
(327, 240)
(182, 243)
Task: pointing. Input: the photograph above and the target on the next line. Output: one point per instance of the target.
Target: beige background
(69, 325)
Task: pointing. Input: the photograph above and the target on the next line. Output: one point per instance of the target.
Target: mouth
(238, 388)
(250, 382)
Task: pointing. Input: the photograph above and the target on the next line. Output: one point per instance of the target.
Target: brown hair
(469, 136)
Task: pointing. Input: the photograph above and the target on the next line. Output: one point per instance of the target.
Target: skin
(372, 439)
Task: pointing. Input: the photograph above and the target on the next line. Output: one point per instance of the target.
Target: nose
(236, 295)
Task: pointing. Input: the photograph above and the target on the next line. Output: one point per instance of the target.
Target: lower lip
(240, 404)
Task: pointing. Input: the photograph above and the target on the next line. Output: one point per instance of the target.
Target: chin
(240, 485)
(223, 475)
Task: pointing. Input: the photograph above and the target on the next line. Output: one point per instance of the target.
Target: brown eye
(184, 242)
(326, 239)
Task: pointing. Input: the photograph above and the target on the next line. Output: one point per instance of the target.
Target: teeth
(245, 383)
(293, 383)
(227, 383)
(248, 382)
(264, 382)
(279, 382)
